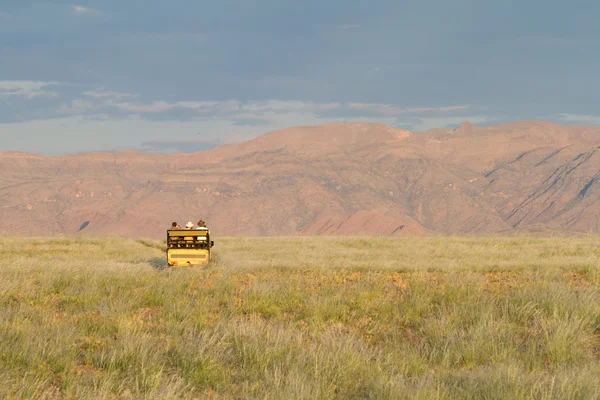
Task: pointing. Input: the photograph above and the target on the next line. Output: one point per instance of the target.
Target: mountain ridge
(306, 179)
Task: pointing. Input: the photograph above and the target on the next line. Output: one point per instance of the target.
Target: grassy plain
(292, 318)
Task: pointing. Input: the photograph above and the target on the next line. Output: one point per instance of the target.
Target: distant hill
(332, 179)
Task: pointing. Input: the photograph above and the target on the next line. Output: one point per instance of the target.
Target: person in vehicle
(202, 225)
(174, 226)
(202, 239)
(189, 226)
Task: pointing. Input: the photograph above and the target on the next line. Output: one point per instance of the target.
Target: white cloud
(161, 106)
(26, 89)
(266, 108)
(389, 110)
(100, 94)
(424, 123)
(77, 107)
(86, 126)
(106, 120)
(288, 106)
(81, 134)
(256, 114)
(85, 10)
(580, 119)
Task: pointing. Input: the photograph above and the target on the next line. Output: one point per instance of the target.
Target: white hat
(189, 225)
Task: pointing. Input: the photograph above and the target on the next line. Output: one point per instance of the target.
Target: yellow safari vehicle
(188, 247)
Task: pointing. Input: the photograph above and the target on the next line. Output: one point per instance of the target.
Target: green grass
(295, 318)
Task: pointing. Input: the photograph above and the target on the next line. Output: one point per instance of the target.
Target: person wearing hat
(189, 226)
(202, 227)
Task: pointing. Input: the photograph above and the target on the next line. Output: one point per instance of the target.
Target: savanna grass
(295, 318)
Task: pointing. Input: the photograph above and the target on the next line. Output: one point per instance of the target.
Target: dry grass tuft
(425, 318)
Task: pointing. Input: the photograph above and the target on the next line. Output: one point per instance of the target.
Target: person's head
(190, 225)
(174, 224)
(201, 223)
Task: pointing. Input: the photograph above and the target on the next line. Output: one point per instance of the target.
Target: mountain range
(331, 179)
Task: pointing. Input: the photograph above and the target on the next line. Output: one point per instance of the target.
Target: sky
(186, 75)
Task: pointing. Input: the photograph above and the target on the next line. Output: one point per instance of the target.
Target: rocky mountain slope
(333, 179)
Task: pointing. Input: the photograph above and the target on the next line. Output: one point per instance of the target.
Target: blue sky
(183, 75)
